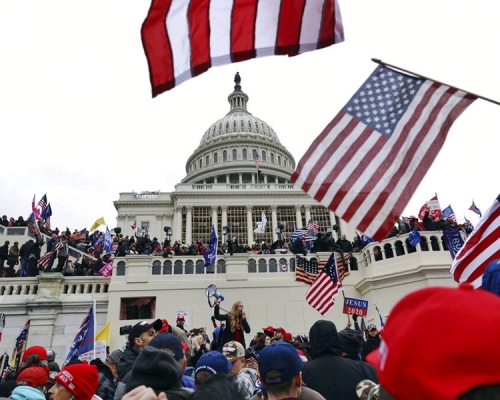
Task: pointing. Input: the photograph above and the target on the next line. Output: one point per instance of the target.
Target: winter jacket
(26, 393)
(126, 362)
(106, 388)
(328, 372)
(370, 344)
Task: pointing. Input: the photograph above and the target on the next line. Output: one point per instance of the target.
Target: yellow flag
(97, 223)
(103, 334)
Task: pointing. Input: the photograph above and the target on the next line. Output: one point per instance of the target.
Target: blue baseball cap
(214, 363)
(281, 357)
(170, 343)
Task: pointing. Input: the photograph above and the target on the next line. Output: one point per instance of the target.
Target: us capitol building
(221, 188)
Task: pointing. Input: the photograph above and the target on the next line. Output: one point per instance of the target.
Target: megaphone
(211, 291)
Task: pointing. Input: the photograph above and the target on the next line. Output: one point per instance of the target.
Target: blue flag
(414, 238)
(454, 241)
(84, 339)
(380, 316)
(46, 212)
(211, 255)
(107, 240)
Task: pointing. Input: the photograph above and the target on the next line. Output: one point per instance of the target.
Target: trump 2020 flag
(84, 338)
(107, 240)
(481, 247)
(107, 269)
(454, 241)
(321, 295)
(183, 39)
(368, 162)
(210, 255)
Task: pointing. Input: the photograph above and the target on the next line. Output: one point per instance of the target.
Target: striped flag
(43, 202)
(481, 247)
(312, 226)
(306, 270)
(21, 339)
(449, 213)
(474, 208)
(257, 163)
(369, 160)
(43, 261)
(321, 295)
(183, 39)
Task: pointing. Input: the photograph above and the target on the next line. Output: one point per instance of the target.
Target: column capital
(121, 217)
(131, 215)
(274, 207)
(249, 207)
(215, 208)
(159, 217)
(298, 207)
(178, 209)
(224, 207)
(189, 208)
(307, 207)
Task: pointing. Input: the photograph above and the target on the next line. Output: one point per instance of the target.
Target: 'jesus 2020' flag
(211, 255)
(368, 162)
(481, 247)
(321, 295)
(183, 39)
(84, 338)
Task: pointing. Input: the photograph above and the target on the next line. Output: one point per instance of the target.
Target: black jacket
(106, 388)
(328, 372)
(371, 344)
(227, 335)
(126, 362)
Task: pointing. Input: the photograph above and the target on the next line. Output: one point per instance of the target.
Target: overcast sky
(77, 120)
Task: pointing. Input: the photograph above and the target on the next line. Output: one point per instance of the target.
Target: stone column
(121, 223)
(274, 220)
(240, 178)
(333, 221)
(214, 218)
(308, 213)
(265, 179)
(249, 226)
(189, 225)
(159, 219)
(178, 224)
(298, 216)
(253, 179)
(227, 179)
(224, 215)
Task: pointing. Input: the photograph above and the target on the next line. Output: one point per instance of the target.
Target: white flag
(261, 226)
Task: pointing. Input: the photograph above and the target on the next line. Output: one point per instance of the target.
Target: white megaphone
(211, 291)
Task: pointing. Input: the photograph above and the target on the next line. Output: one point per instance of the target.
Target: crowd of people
(162, 361)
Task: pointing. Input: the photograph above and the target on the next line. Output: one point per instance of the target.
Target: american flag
(43, 261)
(368, 162)
(321, 295)
(21, 339)
(43, 202)
(312, 226)
(481, 247)
(474, 208)
(257, 163)
(33, 225)
(307, 270)
(183, 39)
(449, 213)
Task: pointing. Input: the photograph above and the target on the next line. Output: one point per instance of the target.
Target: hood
(324, 339)
(26, 393)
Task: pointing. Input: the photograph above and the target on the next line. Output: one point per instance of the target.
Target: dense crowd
(162, 361)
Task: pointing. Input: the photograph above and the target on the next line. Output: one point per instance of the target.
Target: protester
(236, 322)
(76, 381)
(246, 377)
(461, 362)
(372, 341)
(491, 277)
(210, 364)
(332, 375)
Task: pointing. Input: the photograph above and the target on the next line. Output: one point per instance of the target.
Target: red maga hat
(459, 354)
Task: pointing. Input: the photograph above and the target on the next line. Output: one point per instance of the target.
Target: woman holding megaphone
(236, 323)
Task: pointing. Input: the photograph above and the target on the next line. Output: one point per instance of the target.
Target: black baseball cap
(142, 327)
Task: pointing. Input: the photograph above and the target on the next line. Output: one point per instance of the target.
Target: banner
(454, 241)
(354, 306)
(100, 352)
(107, 270)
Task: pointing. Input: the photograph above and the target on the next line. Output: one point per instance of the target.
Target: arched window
(216, 158)
(279, 160)
(263, 155)
(224, 155)
(242, 124)
(272, 157)
(254, 153)
(244, 154)
(220, 127)
(227, 125)
(207, 160)
(235, 154)
(200, 162)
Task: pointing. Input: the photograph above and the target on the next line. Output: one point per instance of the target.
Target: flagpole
(378, 61)
(95, 324)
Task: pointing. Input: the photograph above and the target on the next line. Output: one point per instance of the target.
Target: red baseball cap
(460, 352)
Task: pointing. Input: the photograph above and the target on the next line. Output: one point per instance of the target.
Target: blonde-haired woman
(236, 323)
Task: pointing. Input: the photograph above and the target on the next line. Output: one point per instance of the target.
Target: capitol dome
(235, 142)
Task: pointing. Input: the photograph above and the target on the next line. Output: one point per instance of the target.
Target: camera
(125, 330)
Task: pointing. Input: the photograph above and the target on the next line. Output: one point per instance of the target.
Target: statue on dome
(237, 78)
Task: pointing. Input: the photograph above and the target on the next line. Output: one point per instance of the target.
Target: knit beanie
(156, 369)
(350, 341)
(80, 379)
